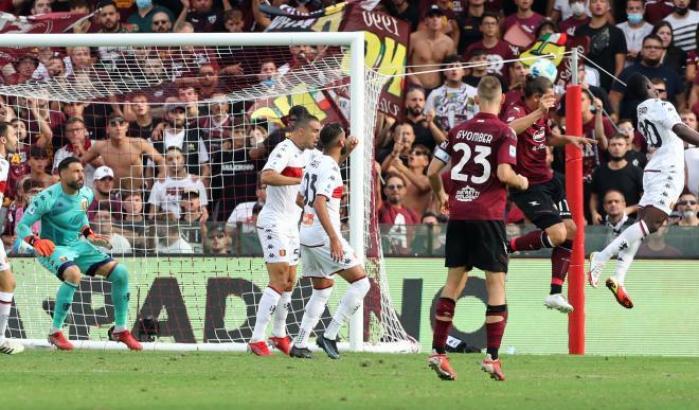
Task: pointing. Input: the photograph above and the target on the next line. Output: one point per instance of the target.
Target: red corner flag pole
(574, 192)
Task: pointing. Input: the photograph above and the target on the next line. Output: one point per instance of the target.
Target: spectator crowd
(174, 164)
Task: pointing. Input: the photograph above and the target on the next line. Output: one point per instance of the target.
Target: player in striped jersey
(277, 228)
(8, 144)
(325, 252)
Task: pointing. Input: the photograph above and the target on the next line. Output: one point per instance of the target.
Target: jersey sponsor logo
(467, 194)
(83, 204)
(282, 252)
(534, 203)
(337, 192)
(294, 172)
(513, 151)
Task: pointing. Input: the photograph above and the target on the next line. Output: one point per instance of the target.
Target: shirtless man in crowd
(124, 155)
(428, 48)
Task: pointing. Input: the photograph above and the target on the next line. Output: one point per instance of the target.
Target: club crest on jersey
(83, 204)
(539, 136)
(467, 194)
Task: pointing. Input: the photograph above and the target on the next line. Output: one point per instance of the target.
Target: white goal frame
(358, 165)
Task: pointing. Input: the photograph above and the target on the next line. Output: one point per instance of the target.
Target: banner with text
(213, 300)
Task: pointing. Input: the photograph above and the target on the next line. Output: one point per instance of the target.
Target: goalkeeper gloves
(43, 247)
(88, 232)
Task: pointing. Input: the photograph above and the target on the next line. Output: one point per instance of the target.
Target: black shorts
(543, 204)
(480, 244)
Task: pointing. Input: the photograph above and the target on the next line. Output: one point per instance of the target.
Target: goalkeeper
(62, 209)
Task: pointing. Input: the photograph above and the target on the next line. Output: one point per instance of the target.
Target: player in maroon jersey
(482, 151)
(544, 203)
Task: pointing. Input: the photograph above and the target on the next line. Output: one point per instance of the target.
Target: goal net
(179, 198)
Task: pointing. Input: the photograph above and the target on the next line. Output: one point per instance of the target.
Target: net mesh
(182, 220)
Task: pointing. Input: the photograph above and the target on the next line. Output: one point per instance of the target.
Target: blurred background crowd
(188, 155)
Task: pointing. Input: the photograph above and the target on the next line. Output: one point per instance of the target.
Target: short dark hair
(451, 59)
(66, 163)
(28, 184)
(536, 85)
(618, 136)
(298, 111)
(636, 88)
(652, 37)
(330, 133)
(4, 128)
(415, 87)
(490, 14)
(73, 120)
(303, 121)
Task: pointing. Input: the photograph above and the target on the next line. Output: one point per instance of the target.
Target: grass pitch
(125, 380)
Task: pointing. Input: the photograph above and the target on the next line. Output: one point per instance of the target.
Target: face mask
(144, 4)
(635, 18)
(577, 8)
(681, 10)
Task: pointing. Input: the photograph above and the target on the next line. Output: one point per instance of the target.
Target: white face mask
(577, 8)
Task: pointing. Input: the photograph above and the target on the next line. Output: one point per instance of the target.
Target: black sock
(492, 352)
(556, 289)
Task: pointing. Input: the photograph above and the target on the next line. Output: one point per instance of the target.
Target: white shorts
(318, 263)
(279, 241)
(661, 189)
(4, 262)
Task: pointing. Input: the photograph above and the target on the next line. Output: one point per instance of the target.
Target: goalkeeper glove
(43, 247)
(88, 232)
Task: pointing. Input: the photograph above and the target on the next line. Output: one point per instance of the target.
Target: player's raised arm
(537, 96)
(352, 143)
(686, 134)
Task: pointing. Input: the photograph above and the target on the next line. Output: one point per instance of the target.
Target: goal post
(364, 86)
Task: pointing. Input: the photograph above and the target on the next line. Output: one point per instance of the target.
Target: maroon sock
(494, 331)
(560, 263)
(531, 241)
(445, 307)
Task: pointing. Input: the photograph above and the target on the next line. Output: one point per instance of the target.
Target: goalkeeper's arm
(43, 247)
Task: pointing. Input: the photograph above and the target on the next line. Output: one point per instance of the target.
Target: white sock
(279, 320)
(267, 306)
(311, 315)
(348, 305)
(119, 329)
(5, 306)
(632, 234)
(624, 260)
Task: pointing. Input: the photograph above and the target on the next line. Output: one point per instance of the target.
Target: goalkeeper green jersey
(62, 216)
